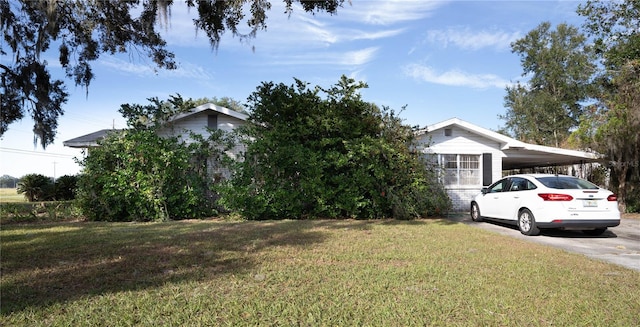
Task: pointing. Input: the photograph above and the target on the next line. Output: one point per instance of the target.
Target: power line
(36, 153)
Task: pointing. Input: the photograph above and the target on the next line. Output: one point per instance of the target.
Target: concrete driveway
(619, 245)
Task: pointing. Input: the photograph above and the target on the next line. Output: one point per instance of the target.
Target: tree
(611, 125)
(7, 181)
(84, 30)
(336, 156)
(157, 114)
(545, 108)
(35, 187)
(614, 25)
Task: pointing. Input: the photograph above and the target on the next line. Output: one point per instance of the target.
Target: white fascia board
(211, 106)
(566, 152)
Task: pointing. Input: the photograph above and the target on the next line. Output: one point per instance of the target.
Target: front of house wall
(461, 197)
(462, 142)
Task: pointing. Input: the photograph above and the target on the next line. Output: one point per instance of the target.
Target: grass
(11, 195)
(316, 273)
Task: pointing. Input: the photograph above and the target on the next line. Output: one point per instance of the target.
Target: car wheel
(475, 212)
(527, 223)
(595, 232)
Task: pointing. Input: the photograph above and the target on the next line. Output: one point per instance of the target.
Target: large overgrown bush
(331, 157)
(136, 175)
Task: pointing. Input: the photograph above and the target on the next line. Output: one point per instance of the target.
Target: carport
(522, 155)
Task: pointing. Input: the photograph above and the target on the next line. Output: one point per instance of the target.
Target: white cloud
(350, 59)
(389, 12)
(359, 57)
(184, 70)
(127, 67)
(454, 77)
(472, 40)
(302, 28)
(361, 35)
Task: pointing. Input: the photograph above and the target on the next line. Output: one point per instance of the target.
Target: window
(450, 164)
(566, 183)
(212, 121)
(461, 169)
(521, 184)
(499, 186)
(448, 132)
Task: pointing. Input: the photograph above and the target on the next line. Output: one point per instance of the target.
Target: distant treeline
(7, 181)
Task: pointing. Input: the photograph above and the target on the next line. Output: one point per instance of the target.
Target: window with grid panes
(469, 171)
(450, 164)
(461, 169)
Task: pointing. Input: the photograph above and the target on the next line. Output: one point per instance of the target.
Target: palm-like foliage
(35, 187)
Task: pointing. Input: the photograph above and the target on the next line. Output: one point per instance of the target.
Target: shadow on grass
(47, 264)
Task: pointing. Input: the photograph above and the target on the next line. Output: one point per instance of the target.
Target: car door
(512, 198)
(493, 198)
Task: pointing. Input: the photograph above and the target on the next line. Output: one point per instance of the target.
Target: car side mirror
(485, 190)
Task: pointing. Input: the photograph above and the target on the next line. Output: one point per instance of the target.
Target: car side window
(519, 184)
(499, 186)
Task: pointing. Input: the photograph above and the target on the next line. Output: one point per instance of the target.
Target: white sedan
(541, 201)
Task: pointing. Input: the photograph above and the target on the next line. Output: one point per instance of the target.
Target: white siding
(198, 123)
(462, 141)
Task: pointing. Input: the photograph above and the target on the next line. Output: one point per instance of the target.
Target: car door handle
(516, 197)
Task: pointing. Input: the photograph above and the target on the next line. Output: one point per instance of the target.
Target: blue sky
(441, 59)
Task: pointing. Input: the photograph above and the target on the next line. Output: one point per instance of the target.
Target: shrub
(138, 175)
(65, 187)
(335, 157)
(36, 187)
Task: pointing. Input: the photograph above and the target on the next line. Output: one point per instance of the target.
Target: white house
(473, 157)
(201, 118)
(198, 121)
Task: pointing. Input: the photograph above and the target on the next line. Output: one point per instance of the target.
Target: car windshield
(566, 183)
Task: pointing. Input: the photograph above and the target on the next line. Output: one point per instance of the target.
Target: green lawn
(312, 273)
(11, 195)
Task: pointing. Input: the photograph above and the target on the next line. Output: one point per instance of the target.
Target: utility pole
(54, 172)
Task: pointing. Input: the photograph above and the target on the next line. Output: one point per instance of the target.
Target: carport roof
(518, 154)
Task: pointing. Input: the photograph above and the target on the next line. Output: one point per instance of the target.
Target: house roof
(519, 154)
(211, 106)
(91, 139)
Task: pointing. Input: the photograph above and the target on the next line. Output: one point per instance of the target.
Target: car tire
(527, 223)
(594, 232)
(475, 212)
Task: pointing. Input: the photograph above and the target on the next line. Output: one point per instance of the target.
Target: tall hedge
(326, 153)
(137, 175)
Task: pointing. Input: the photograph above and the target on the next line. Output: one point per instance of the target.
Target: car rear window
(566, 183)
